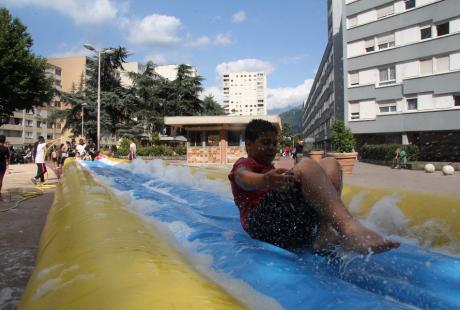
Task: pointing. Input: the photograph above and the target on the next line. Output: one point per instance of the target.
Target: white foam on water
(386, 217)
(178, 174)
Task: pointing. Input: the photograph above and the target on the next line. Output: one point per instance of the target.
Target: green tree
(211, 107)
(119, 105)
(342, 137)
(23, 80)
(187, 90)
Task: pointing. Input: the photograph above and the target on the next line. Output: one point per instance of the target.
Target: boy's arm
(277, 179)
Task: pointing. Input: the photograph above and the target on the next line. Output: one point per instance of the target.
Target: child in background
(295, 208)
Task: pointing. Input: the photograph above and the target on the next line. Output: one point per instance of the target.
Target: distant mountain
(293, 120)
(285, 109)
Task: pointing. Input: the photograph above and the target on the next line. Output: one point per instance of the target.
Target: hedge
(156, 150)
(386, 152)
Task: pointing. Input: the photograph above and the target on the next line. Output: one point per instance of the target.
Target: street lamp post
(84, 104)
(98, 120)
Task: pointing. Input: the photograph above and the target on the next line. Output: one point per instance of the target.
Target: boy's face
(263, 149)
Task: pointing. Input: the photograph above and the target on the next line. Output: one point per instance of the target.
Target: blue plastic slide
(207, 225)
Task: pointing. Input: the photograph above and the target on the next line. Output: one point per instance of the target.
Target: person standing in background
(4, 160)
(132, 150)
(39, 158)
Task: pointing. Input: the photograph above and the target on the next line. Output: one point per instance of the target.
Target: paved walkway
(399, 179)
(20, 228)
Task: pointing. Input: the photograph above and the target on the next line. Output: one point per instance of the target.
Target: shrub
(386, 152)
(342, 138)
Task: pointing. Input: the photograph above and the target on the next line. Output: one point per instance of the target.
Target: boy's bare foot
(327, 238)
(360, 239)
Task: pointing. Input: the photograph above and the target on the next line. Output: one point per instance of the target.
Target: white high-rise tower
(244, 93)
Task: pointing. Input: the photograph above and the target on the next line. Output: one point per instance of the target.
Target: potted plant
(315, 154)
(344, 144)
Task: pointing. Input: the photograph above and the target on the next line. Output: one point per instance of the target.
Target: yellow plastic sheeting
(433, 219)
(96, 254)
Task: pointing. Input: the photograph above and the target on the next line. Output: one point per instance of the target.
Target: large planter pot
(316, 155)
(346, 160)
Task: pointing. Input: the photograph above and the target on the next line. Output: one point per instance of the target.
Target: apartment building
(402, 71)
(245, 93)
(170, 71)
(325, 100)
(26, 126)
(134, 67)
(73, 71)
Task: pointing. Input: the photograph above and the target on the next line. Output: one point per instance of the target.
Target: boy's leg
(333, 170)
(320, 191)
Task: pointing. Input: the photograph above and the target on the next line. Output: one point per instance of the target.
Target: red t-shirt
(247, 200)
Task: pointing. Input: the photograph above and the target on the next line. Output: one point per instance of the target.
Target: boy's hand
(279, 179)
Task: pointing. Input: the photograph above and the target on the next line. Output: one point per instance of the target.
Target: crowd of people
(292, 151)
(41, 152)
(57, 154)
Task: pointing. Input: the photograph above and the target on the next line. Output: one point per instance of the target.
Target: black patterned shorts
(285, 219)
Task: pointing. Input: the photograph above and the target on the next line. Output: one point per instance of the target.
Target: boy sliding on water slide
(298, 207)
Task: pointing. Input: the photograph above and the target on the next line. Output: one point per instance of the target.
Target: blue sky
(284, 38)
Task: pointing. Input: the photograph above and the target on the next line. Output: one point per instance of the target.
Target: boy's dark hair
(40, 138)
(2, 138)
(257, 127)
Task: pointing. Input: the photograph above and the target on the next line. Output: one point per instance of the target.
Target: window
(410, 4)
(426, 66)
(354, 110)
(352, 21)
(386, 41)
(370, 45)
(387, 75)
(442, 64)
(425, 32)
(29, 123)
(385, 11)
(442, 29)
(411, 104)
(354, 78)
(456, 100)
(388, 107)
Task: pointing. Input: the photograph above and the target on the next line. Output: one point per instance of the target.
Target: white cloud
(153, 29)
(81, 11)
(239, 17)
(248, 65)
(201, 41)
(167, 58)
(65, 50)
(288, 96)
(215, 91)
(157, 58)
(223, 39)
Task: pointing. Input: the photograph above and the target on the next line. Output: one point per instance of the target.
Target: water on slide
(199, 215)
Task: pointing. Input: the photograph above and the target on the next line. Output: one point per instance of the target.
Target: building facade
(325, 100)
(133, 67)
(170, 71)
(26, 126)
(245, 93)
(215, 139)
(401, 73)
(402, 64)
(73, 71)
